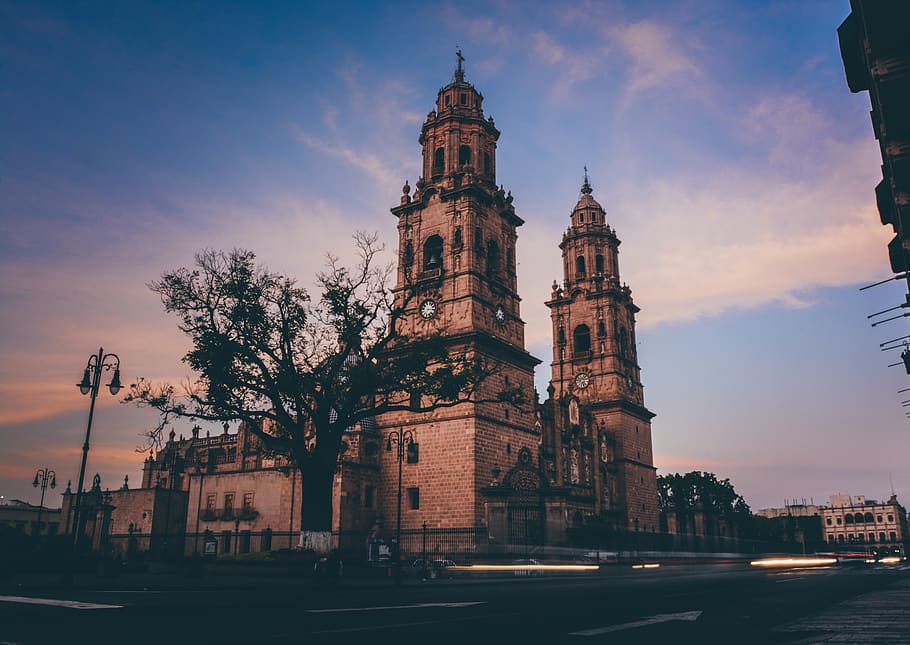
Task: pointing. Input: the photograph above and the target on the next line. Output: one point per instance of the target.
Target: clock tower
(456, 276)
(595, 362)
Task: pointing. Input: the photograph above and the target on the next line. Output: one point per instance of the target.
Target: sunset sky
(721, 138)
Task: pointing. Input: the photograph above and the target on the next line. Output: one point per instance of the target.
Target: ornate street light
(91, 382)
(43, 476)
(400, 438)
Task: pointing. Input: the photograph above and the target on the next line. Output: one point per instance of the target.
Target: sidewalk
(876, 617)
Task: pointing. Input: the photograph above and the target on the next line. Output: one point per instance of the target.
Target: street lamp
(400, 439)
(91, 382)
(42, 477)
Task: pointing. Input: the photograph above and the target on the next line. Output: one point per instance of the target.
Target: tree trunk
(316, 507)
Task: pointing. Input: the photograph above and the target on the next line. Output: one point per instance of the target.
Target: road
(686, 604)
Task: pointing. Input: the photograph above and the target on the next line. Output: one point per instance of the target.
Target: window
(243, 544)
(247, 502)
(601, 329)
(457, 241)
(463, 99)
(848, 519)
(599, 263)
(868, 518)
(830, 538)
(448, 100)
(439, 161)
(581, 218)
(890, 517)
(858, 518)
(838, 521)
(878, 518)
(828, 521)
(492, 258)
(478, 241)
(580, 266)
(415, 400)
(414, 498)
(840, 538)
(432, 253)
(228, 504)
(582, 339)
(413, 452)
(225, 541)
(368, 496)
(464, 156)
(872, 537)
(893, 536)
(210, 501)
(881, 536)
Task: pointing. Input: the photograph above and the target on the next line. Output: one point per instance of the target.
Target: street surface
(678, 604)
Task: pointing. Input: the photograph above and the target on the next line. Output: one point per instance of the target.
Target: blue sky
(732, 160)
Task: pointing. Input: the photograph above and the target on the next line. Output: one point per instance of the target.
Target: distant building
(790, 510)
(22, 517)
(856, 520)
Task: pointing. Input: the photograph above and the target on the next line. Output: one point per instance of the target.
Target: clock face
(500, 314)
(583, 380)
(428, 309)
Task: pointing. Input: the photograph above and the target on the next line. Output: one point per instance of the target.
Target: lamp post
(400, 439)
(91, 382)
(42, 477)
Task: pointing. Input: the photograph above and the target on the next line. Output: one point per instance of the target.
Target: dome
(586, 202)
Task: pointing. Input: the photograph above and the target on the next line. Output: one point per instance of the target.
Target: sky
(721, 138)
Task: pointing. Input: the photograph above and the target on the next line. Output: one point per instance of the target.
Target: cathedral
(548, 473)
(581, 457)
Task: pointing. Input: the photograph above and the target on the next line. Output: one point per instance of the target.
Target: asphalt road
(690, 604)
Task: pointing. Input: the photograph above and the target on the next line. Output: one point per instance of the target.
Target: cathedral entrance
(525, 525)
(524, 513)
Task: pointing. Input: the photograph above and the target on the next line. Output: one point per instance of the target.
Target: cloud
(658, 59)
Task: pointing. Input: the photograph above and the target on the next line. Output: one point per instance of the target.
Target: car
(529, 571)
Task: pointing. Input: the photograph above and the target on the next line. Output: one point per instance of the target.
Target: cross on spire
(586, 186)
(459, 71)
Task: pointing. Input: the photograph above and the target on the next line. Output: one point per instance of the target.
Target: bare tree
(301, 373)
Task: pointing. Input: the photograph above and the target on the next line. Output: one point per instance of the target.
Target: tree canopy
(699, 490)
(301, 372)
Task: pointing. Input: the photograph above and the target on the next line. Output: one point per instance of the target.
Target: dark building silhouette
(875, 47)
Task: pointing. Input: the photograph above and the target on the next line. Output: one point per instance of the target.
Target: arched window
(432, 253)
(869, 519)
(858, 518)
(457, 242)
(439, 161)
(581, 339)
(487, 165)
(580, 266)
(848, 519)
(464, 156)
(599, 263)
(492, 257)
(601, 329)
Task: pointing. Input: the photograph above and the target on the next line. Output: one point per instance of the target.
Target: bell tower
(595, 358)
(456, 276)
